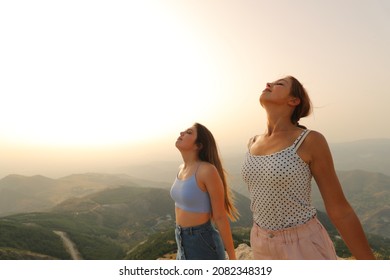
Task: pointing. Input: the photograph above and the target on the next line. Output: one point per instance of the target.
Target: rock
(244, 252)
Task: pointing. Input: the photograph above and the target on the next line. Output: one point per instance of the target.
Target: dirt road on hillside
(70, 247)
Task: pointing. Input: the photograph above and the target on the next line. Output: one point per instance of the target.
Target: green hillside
(16, 254)
(103, 225)
(26, 240)
(124, 223)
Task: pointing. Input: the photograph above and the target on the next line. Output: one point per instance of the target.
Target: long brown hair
(209, 153)
(304, 108)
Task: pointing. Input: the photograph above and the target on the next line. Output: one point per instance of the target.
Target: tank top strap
(197, 168)
(298, 142)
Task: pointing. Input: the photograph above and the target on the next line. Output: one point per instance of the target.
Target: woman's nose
(269, 85)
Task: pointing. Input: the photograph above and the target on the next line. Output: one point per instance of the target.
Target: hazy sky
(106, 82)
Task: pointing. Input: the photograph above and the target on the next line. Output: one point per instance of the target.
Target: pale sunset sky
(90, 85)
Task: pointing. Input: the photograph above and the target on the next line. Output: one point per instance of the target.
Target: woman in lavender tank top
(203, 202)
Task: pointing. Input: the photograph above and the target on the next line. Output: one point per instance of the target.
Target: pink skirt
(309, 241)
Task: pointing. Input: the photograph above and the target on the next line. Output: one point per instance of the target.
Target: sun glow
(88, 73)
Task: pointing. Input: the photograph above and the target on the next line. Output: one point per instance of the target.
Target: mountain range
(118, 216)
(368, 193)
(125, 222)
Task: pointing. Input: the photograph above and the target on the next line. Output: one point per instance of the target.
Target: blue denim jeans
(201, 242)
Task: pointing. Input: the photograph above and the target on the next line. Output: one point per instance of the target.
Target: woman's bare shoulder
(206, 168)
(315, 137)
(316, 143)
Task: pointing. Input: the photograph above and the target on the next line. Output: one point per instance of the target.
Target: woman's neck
(278, 120)
(280, 125)
(190, 159)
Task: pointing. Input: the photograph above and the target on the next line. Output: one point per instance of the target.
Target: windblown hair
(209, 153)
(304, 108)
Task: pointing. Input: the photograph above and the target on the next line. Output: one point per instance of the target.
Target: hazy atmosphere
(98, 86)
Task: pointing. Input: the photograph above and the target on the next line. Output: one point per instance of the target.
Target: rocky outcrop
(244, 252)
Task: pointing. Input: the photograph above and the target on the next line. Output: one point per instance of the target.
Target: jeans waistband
(195, 229)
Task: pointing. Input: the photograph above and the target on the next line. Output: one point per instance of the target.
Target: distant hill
(23, 194)
(369, 155)
(121, 207)
(38, 193)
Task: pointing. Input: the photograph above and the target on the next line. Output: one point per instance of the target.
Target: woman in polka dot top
(278, 169)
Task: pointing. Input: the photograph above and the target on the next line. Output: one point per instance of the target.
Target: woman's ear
(200, 146)
(294, 101)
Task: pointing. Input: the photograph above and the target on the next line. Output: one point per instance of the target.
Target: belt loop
(179, 229)
(191, 231)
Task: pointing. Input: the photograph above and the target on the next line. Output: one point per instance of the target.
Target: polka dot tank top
(280, 187)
